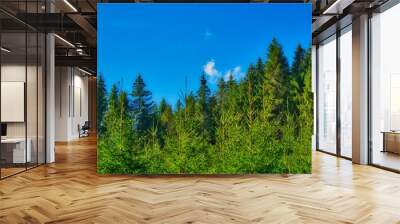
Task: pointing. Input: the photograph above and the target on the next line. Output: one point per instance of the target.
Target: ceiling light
(79, 51)
(337, 7)
(5, 50)
(331, 7)
(64, 40)
(70, 5)
(84, 71)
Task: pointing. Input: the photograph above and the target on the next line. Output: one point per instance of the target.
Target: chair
(84, 130)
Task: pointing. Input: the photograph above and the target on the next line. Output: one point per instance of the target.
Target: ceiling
(330, 15)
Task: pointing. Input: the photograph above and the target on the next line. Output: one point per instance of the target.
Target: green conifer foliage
(204, 109)
(261, 123)
(102, 103)
(276, 75)
(296, 84)
(142, 105)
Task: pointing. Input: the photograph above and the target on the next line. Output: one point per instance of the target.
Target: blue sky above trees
(171, 43)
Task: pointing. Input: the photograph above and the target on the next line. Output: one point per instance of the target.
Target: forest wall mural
(204, 88)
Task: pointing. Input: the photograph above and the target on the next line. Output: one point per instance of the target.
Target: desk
(391, 141)
(18, 150)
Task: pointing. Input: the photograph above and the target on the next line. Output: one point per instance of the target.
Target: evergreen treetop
(142, 105)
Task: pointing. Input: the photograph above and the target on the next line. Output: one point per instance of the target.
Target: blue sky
(168, 43)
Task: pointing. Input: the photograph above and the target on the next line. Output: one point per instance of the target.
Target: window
(327, 95)
(346, 92)
(385, 88)
(22, 88)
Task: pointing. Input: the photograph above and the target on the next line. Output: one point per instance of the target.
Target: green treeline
(259, 124)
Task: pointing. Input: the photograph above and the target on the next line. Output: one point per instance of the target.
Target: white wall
(16, 73)
(33, 126)
(80, 109)
(62, 82)
(71, 94)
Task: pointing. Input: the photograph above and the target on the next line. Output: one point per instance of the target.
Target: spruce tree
(260, 68)
(250, 95)
(165, 112)
(203, 94)
(230, 83)
(221, 90)
(296, 83)
(101, 103)
(190, 106)
(113, 105)
(125, 133)
(178, 105)
(142, 105)
(204, 110)
(305, 105)
(301, 158)
(275, 91)
(109, 161)
(297, 64)
(257, 84)
(259, 75)
(232, 94)
(164, 117)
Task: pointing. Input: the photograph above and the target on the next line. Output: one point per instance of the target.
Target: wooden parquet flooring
(70, 191)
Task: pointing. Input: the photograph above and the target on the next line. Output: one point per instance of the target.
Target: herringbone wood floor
(70, 191)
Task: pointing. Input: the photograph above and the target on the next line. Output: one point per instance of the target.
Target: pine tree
(125, 133)
(113, 104)
(101, 103)
(142, 105)
(300, 160)
(190, 106)
(260, 68)
(250, 93)
(306, 104)
(259, 75)
(178, 105)
(109, 161)
(296, 83)
(257, 84)
(204, 110)
(297, 64)
(221, 92)
(165, 112)
(230, 83)
(275, 91)
(213, 117)
(203, 93)
(164, 119)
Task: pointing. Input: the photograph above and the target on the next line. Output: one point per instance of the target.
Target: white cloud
(210, 70)
(236, 73)
(213, 74)
(207, 34)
